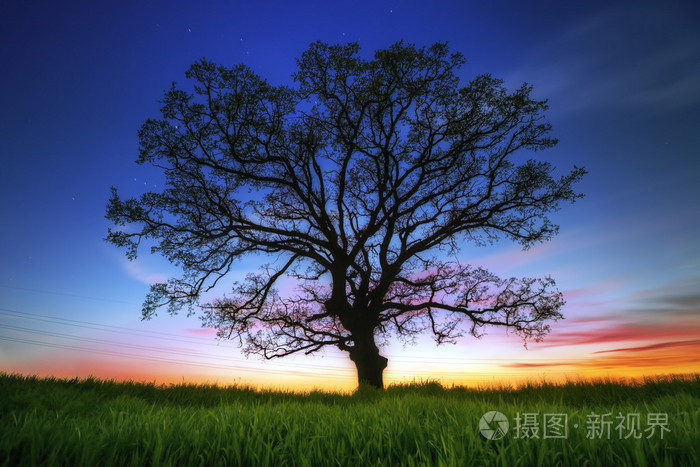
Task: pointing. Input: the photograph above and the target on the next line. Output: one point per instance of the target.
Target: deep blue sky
(79, 77)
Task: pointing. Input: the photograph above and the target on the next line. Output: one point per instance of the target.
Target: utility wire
(160, 360)
(105, 327)
(326, 374)
(186, 353)
(203, 341)
(64, 294)
(207, 341)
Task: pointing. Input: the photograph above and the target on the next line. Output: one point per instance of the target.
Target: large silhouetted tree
(358, 183)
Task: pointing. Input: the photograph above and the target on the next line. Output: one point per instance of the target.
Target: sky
(80, 77)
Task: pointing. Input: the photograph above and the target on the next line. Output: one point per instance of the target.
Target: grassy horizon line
(429, 385)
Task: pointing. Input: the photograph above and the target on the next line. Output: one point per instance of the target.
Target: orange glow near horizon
(587, 345)
(682, 357)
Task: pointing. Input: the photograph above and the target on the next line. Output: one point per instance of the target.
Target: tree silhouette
(357, 183)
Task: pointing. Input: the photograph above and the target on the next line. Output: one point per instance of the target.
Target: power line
(207, 341)
(332, 371)
(200, 340)
(104, 327)
(326, 374)
(147, 348)
(156, 359)
(64, 294)
(304, 369)
(101, 341)
(123, 330)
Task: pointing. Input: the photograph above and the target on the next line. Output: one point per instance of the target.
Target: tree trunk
(369, 363)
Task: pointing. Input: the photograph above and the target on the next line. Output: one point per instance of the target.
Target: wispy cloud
(660, 357)
(680, 304)
(641, 57)
(623, 332)
(201, 332)
(660, 345)
(143, 273)
(539, 364)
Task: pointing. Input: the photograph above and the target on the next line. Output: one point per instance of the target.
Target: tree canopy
(361, 182)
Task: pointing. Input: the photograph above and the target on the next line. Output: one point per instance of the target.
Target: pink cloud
(624, 332)
(539, 364)
(594, 319)
(660, 345)
(201, 332)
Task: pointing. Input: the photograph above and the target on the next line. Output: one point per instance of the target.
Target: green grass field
(94, 422)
